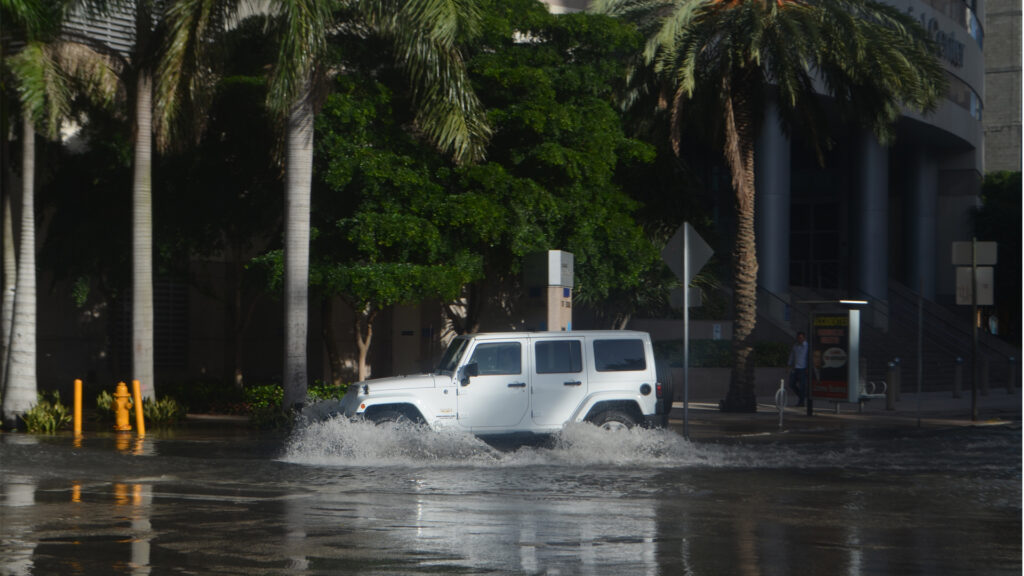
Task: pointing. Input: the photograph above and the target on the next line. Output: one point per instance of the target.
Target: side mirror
(469, 371)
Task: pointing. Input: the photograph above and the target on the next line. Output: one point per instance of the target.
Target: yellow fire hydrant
(122, 400)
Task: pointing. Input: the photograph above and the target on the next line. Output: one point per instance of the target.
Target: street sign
(686, 242)
(692, 298)
(985, 281)
(985, 254)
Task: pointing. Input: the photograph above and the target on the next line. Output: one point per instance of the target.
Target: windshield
(452, 355)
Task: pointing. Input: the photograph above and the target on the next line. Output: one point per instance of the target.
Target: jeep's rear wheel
(613, 420)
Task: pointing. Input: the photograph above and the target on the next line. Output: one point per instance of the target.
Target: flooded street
(344, 498)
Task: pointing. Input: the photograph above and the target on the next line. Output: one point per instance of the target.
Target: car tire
(613, 420)
(388, 417)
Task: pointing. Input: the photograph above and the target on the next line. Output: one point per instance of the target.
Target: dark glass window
(559, 357)
(493, 358)
(619, 355)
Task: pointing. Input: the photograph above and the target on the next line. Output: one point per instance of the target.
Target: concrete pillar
(920, 222)
(773, 200)
(872, 219)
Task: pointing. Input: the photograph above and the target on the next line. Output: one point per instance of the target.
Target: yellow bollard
(121, 400)
(78, 407)
(140, 423)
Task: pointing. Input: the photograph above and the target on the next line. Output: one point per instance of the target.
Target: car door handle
(574, 383)
(517, 385)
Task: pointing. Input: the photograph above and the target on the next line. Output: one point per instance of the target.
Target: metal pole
(811, 368)
(780, 400)
(920, 353)
(686, 337)
(974, 328)
(78, 407)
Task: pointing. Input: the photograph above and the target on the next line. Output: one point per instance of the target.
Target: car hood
(406, 382)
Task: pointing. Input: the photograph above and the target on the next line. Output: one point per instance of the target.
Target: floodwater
(351, 498)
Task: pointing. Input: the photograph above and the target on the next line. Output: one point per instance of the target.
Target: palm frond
(42, 87)
(303, 27)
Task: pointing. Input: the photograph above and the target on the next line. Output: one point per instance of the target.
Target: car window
(619, 355)
(559, 357)
(498, 358)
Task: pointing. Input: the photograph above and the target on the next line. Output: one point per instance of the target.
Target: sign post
(685, 254)
(974, 254)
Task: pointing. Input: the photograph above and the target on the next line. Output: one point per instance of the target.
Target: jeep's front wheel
(392, 416)
(613, 420)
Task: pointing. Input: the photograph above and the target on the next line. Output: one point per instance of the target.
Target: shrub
(48, 415)
(208, 396)
(163, 412)
(264, 406)
(264, 402)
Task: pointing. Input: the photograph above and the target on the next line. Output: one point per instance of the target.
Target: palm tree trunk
(296, 249)
(7, 298)
(21, 372)
(739, 154)
(142, 239)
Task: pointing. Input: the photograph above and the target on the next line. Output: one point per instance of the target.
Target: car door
(497, 396)
(559, 380)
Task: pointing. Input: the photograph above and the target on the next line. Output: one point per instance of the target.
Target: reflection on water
(356, 498)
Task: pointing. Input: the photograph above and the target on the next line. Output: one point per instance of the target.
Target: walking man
(798, 367)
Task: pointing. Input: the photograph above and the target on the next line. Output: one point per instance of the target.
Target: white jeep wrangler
(525, 382)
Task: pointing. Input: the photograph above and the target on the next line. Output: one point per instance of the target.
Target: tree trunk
(21, 390)
(739, 154)
(296, 249)
(330, 339)
(7, 298)
(364, 335)
(142, 238)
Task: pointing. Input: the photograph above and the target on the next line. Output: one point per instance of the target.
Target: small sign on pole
(984, 278)
(984, 253)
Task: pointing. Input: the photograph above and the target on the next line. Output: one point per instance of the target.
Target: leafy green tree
(998, 220)
(424, 37)
(721, 59)
(391, 238)
(549, 83)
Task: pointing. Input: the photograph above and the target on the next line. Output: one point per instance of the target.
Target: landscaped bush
(161, 412)
(207, 396)
(48, 415)
(264, 402)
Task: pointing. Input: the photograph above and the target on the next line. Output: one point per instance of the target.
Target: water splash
(342, 443)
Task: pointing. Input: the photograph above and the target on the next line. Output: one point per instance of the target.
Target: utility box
(548, 277)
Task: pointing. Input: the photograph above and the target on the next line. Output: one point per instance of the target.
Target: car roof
(560, 334)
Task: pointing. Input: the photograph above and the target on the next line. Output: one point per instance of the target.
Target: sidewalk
(930, 410)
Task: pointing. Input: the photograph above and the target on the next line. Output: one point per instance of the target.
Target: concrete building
(1003, 85)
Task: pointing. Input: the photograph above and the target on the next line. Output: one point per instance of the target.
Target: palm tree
(137, 76)
(869, 57)
(424, 35)
(45, 74)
